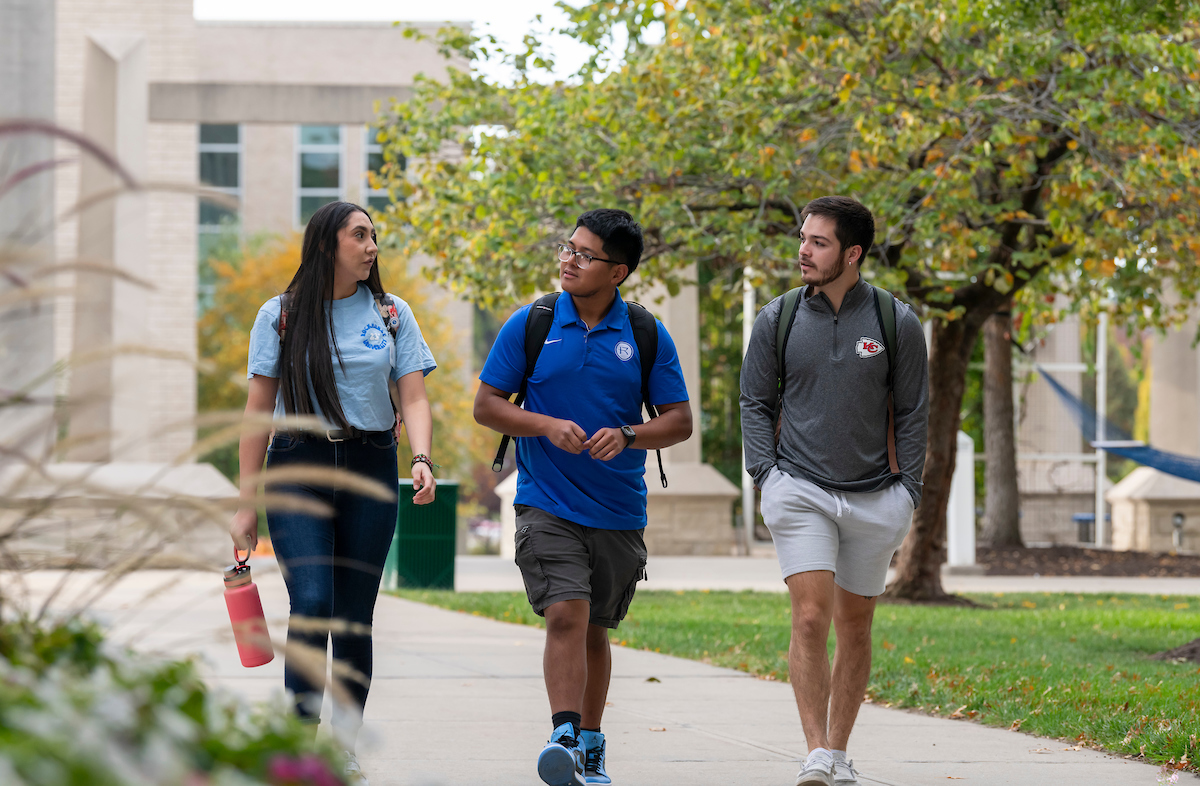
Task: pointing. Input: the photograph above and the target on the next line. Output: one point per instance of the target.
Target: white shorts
(852, 534)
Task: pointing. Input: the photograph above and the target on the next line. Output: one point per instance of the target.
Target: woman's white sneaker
(354, 774)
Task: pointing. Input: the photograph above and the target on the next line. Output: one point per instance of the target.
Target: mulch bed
(1189, 651)
(1075, 561)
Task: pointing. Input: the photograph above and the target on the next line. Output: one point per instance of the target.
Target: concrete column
(694, 514)
(680, 315)
(456, 312)
(1145, 502)
(108, 415)
(1055, 481)
(354, 172)
(1045, 424)
(270, 179)
(27, 224)
(1175, 391)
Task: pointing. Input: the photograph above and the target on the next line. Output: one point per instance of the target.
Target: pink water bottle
(246, 614)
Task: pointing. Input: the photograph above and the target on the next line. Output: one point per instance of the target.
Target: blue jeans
(332, 566)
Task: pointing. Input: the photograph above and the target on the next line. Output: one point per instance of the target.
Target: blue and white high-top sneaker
(593, 757)
(561, 762)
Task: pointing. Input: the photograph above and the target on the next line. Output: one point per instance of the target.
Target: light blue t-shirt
(370, 356)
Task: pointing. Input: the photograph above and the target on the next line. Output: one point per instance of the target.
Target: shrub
(77, 711)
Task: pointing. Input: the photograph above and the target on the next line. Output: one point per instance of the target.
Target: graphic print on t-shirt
(373, 337)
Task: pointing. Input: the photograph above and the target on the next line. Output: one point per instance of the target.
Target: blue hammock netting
(1119, 442)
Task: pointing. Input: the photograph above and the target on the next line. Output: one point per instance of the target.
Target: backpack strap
(388, 313)
(391, 317)
(537, 327)
(645, 335)
(787, 317)
(282, 329)
(885, 312)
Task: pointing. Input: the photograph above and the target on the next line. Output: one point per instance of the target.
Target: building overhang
(186, 102)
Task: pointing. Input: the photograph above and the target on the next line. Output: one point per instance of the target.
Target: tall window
(319, 169)
(377, 198)
(220, 170)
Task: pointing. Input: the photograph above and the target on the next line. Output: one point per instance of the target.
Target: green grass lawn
(1074, 667)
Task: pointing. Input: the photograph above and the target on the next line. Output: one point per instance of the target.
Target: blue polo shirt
(593, 378)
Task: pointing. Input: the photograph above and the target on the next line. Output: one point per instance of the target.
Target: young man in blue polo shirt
(581, 457)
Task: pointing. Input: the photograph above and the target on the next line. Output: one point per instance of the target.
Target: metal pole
(960, 515)
(749, 514)
(1101, 409)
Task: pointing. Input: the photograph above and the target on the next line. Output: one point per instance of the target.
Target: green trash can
(423, 546)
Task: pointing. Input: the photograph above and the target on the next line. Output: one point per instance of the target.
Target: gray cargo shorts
(561, 560)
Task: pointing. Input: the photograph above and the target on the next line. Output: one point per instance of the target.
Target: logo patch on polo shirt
(624, 350)
(868, 347)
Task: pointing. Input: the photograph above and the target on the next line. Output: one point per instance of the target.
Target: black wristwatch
(630, 435)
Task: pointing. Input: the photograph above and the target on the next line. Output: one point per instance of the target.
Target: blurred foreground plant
(75, 711)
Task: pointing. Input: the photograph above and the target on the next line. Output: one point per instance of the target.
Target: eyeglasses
(582, 260)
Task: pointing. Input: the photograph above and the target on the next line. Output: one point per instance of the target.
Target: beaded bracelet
(421, 458)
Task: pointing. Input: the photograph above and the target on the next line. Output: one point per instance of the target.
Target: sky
(508, 20)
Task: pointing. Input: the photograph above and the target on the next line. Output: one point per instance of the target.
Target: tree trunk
(1001, 522)
(918, 571)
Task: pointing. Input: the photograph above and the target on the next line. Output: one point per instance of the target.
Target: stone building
(1151, 510)
(273, 115)
(26, 225)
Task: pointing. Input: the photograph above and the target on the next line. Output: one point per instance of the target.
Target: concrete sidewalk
(494, 574)
(458, 699)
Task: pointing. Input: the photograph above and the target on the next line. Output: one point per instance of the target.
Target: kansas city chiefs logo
(868, 347)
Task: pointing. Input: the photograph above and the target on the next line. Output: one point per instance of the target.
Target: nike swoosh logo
(552, 341)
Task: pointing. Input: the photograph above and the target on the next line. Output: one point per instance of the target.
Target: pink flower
(308, 770)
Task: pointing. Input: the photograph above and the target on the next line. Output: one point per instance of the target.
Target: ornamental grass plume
(75, 709)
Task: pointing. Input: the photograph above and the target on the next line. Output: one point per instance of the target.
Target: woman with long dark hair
(337, 347)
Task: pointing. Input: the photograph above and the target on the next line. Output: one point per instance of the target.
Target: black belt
(331, 435)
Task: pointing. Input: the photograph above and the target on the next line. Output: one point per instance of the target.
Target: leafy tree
(246, 279)
(998, 145)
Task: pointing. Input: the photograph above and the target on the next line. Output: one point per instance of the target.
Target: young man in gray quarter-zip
(838, 506)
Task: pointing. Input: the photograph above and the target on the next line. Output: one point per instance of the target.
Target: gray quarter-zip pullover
(835, 392)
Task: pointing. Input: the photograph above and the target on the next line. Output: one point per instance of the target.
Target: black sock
(573, 718)
(595, 730)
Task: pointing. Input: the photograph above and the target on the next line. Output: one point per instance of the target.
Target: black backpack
(537, 327)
